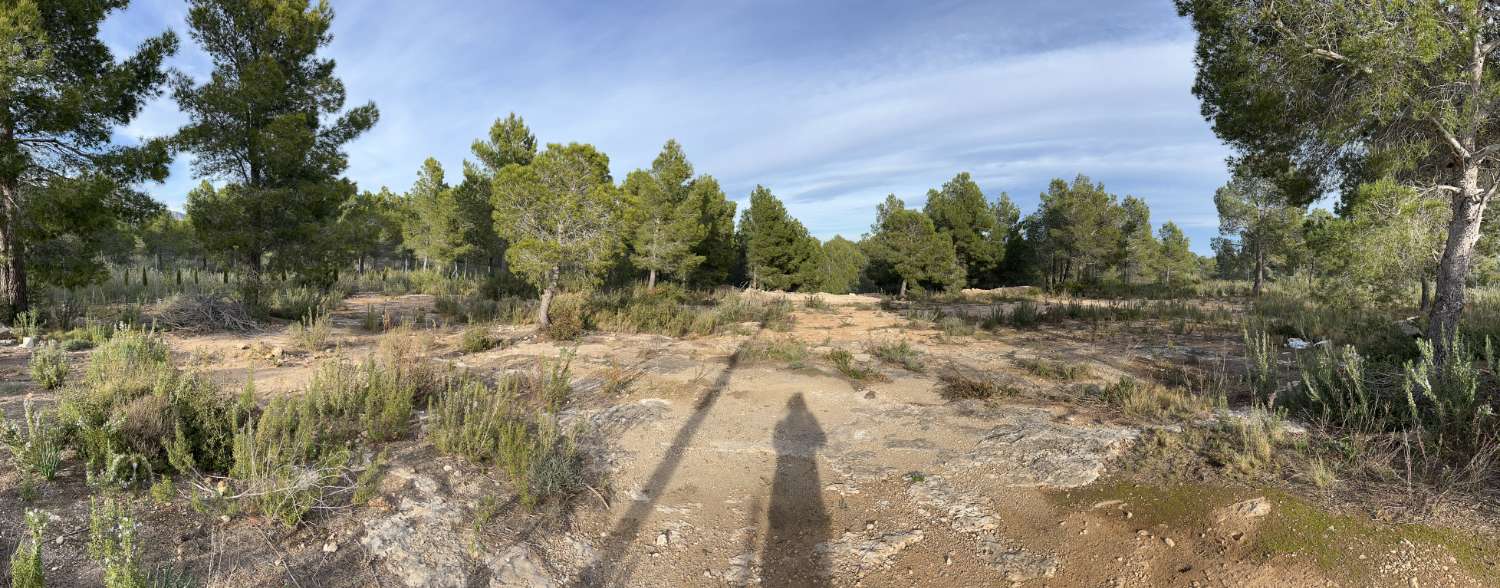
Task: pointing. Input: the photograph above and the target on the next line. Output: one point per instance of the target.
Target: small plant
(112, 543)
(901, 354)
(37, 451)
(953, 326)
(816, 302)
(1054, 370)
(368, 482)
(843, 360)
(373, 322)
(313, 332)
(77, 345)
(789, 350)
(962, 386)
(476, 339)
(1153, 402)
(49, 365)
(1260, 364)
(26, 563)
(28, 323)
(163, 491)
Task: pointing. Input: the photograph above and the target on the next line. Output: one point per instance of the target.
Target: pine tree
(509, 141)
(64, 95)
(1137, 246)
(841, 266)
(664, 216)
(259, 122)
(779, 253)
(1175, 261)
(439, 227)
(715, 214)
(560, 215)
(1254, 213)
(905, 246)
(960, 210)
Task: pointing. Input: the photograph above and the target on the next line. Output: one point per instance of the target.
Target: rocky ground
(725, 468)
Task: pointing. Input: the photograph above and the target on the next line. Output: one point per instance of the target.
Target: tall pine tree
(268, 121)
(62, 94)
(960, 211)
(666, 223)
(905, 247)
(779, 253)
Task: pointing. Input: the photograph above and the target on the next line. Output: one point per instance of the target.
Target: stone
(1016, 564)
(1252, 508)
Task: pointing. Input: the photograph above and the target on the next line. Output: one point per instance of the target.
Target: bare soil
(727, 469)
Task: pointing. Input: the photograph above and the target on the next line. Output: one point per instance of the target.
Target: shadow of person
(796, 519)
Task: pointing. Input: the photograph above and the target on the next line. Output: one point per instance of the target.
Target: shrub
(1153, 402)
(26, 563)
(279, 469)
(297, 302)
(476, 339)
(112, 543)
(901, 354)
(49, 365)
(163, 491)
(789, 350)
(844, 362)
(566, 317)
(955, 326)
(27, 323)
(957, 385)
(1055, 370)
(485, 425)
(816, 302)
(312, 332)
(38, 450)
(77, 345)
(1246, 446)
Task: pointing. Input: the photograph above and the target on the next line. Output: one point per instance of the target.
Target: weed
(1054, 370)
(49, 365)
(898, 353)
(368, 482)
(77, 345)
(843, 360)
(312, 332)
(953, 326)
(962, 386)
(789, 350)
(1153, 402)
(27, 324)
(816, 302)
(476, 339)
(26, 563)
(112, 543)
(164, 491)
(38, 451)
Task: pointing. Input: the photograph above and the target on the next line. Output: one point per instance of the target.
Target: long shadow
(607, 569)
(796, 520)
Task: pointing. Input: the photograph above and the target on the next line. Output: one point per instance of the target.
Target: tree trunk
(651, 281)
(1260, 273)
(250, 285)
(902, 294)
(12, 254)
(546, 303)
(1426, 293)
(1453, 268)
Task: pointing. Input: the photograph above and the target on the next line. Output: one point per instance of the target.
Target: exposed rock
(1252, 508)
(965, 513)
(862, 553)
(517, 568)
(1017, 565)
(741, 570)
(1034, 450)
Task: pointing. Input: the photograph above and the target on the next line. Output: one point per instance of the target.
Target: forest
(294, 356)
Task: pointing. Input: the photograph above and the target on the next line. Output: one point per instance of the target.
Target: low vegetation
(49, 365)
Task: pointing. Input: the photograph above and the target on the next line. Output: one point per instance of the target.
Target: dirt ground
(729, 469)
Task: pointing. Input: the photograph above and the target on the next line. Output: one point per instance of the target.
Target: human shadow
(796, 519)
(611, 567)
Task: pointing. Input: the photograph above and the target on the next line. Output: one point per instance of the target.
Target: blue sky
(832, 105)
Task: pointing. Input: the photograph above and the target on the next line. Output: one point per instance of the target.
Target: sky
(830, 104)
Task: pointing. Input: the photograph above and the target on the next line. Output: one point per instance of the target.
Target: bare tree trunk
(651, 281)
(250, 285)
(1453, 268)
(902, 294)
(1260, 273)
(12, 254)
(546, 303)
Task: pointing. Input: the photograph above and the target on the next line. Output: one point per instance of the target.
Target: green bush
(476, 339)
(37, 451)
(566, 317)
(112, 543)
(49, 365)
(955, 326)
(843, 360)
(899, 353)
(312, 332)
(26, 563)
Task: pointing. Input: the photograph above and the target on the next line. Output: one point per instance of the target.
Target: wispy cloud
(832, 106)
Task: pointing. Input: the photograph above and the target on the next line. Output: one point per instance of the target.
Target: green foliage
(899, 353)
(65, 182)
(844, 361)
(112, 543)
(664, 218)
(439, 227)
(841, 266)
(312, 333)
(36, 451)
(495, 425)
(1053, 370)
(954, 326)
(268, 120)
(779, 252)
(163, 491)
(784, 349)
(904, 247)
(1260, 223)
(476, 339)
(26, 563)
(560, 215)
(49, 365)
(1154, 403)
(960, 211)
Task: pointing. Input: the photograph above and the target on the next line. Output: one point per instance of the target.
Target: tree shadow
(796, 520)
(608, 569)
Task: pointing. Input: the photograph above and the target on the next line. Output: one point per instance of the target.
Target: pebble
(330, 547)
(1170, 542)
